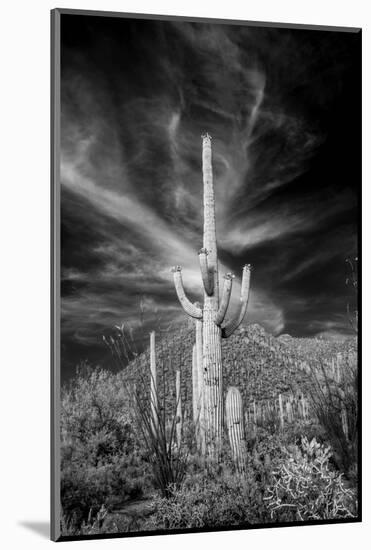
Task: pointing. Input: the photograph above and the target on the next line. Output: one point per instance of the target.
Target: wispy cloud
(133, 109)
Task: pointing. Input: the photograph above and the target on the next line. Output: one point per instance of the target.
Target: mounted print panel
(206, 217)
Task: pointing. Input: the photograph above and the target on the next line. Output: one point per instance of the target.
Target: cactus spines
(211, 315)
(235, 424)
(178, 410)
(153, 390)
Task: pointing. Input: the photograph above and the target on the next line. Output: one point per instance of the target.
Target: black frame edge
(299, 26)
(55, 533)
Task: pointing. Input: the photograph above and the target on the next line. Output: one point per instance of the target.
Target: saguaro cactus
(212, 315)
(235, 424)
(282, 419)
(195, 388)
(289, 412)
(153, 390)
(178, 410)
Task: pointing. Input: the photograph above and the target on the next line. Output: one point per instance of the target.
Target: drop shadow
(42, 528)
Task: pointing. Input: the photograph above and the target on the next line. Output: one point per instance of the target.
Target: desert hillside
(259, 364)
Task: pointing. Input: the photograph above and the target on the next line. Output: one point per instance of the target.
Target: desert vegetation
(124, 468)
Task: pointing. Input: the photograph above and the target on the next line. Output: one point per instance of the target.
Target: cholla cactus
(235, 425)
(212, 314)
(305, 487)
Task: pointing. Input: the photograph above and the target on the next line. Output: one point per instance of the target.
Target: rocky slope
(259, 364)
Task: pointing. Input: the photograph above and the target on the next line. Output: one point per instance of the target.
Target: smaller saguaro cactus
(282, 420)
(153, 390)
(289, 412)
(339, 364)
(195, 389)
(304, 407)
(178, 410)
(255, 415)
(235, 425)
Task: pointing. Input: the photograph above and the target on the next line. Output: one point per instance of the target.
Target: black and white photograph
(207, 203)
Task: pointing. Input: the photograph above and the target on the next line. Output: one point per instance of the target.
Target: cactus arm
(227, 290)
(189, 308)
(232, 325)
(207, 276)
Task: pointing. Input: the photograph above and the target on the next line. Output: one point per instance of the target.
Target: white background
(24, 306)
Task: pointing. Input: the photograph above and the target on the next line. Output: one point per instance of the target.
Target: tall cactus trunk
(200, 376)
(198, 388)
(212, 339)
(213, 392)
(235, 424)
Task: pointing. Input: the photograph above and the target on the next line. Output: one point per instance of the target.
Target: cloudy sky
(283, 108)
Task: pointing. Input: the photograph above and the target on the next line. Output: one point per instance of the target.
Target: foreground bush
(288, 485)
(85, 489)
(211, 500)
(101, 458)
(305, 487)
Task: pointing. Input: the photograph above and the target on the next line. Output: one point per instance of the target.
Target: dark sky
(283, 108)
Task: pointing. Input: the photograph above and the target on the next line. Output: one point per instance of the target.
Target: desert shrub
(85, 488)
(265, 447)
(305, 487)
(95, 402)
(207, 504)
(105, 523)
(93, 525)
(216, 497)
(271, 422)
(102, 461)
